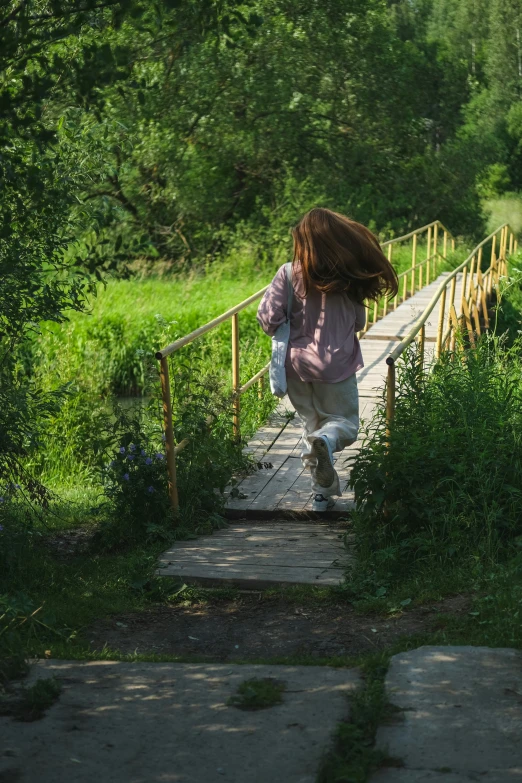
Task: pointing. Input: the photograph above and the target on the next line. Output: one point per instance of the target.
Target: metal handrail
(432, 230)
(474, 299)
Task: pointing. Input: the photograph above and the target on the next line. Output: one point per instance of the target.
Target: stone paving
(460, 719)
(170, 723)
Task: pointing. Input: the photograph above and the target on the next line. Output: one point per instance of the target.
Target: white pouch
(280, 340)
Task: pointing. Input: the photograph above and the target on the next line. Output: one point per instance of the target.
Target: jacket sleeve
(272, 309)
(360, 316)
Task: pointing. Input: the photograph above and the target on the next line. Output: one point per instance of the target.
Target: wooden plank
(255, 577)
(233, 548)
(301, 560)
(259, 536)
(253, 484)
(274, 491)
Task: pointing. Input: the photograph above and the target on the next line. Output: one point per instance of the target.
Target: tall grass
(504, 209)
(109, 352)
(448, 484)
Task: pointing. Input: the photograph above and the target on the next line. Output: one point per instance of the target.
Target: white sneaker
(321, 454)
(321, 503)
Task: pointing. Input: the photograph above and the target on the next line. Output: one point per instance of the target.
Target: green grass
(505, 209)
(31, 703)
(354, 756)
(258, 694)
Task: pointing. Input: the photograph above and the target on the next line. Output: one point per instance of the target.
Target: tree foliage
(169, 130)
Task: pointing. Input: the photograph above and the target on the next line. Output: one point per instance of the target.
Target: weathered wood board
(261, 554)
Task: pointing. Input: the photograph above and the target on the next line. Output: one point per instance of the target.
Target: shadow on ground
(253, 627)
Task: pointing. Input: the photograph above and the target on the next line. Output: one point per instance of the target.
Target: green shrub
(449, 485)
(508, 314)
(136, 489)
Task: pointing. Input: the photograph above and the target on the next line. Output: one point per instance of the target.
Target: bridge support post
(236, 403)
(440, 327)
(390, 397)
(169, 433)
(413, 263)
(422, 339)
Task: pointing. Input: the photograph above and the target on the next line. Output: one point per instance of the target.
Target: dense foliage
(445, 484)
(173, 133)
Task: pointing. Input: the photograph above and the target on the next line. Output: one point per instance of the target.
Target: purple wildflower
(148, 461)
(2, 527)
(130, 457)
(112, 463)
(150, 489)
(132, 447)
(159, 455)
(143, 452)
(126, 476)
(122, 449)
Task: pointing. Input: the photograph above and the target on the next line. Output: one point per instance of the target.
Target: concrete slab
(461, 716)
(170, 723)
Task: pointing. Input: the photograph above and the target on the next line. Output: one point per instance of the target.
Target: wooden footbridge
(274, 537)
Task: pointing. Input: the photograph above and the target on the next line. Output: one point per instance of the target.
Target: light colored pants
(328, 410)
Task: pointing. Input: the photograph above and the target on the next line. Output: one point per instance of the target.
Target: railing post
(471, 273)
(390, 398)
(435, 240)
(454, 327)
(491, 265)
(260, 387)
(236, 403)
(467, 320)
(440, 328)
(428, 254)
(422, 340)
(385, 309)
(453, 286)
(413, 262)
(474, 307)
(445, 245)
(463, 290)
(169, 433)
(484, 306)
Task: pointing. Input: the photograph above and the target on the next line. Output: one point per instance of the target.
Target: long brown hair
(338, 254)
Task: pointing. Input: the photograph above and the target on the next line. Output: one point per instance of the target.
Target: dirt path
(253, 627)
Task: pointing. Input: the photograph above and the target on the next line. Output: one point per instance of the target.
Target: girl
(337, 265)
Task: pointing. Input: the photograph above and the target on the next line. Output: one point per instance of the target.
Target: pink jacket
(323, 344)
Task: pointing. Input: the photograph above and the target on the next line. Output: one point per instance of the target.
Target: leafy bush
(508, 315)
(136, 488)
(448, 485)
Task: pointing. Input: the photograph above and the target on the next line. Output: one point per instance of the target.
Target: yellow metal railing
(420, 273)
(417, 275)
(477, 288)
